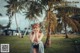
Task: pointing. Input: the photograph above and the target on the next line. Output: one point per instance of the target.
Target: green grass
(22, 45)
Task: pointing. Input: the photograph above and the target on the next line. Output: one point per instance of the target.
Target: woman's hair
(36, 25)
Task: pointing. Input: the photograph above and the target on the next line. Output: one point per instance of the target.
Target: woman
(35, 37)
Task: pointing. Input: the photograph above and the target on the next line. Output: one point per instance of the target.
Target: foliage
(13, 6)
(0, 14)
(65, 12)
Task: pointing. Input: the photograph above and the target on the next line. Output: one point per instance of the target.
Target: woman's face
(36, 29)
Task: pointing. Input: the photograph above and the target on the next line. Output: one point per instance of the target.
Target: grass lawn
(22, 45)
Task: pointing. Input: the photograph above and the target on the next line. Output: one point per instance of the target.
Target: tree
(13, 6)
(66, 13)
(51, 25)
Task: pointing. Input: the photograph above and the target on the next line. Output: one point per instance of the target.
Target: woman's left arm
(40, 38)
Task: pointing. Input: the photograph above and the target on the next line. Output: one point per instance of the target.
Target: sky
(22, 22)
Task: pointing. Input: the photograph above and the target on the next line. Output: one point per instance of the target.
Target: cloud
(4, 20)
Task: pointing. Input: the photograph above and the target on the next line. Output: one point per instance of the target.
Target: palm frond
(74, 10)
(77, 24)
(54, 21)
(70, 22)
(1, 14)
(34, 9)
(59, 27)
(7, 6)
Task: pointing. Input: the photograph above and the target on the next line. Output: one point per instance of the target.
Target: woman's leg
(35, 50)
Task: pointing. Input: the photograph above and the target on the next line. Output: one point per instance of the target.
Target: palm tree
(51, 23)
(50, 4)
(65, 12)
(13, 6)
(10, 10)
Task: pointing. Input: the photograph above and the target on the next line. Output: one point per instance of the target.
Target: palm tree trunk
(48, 39)
(18, 29)
(65, 30)
(16, 22)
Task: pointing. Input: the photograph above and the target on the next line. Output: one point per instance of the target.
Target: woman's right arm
(31, 37)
